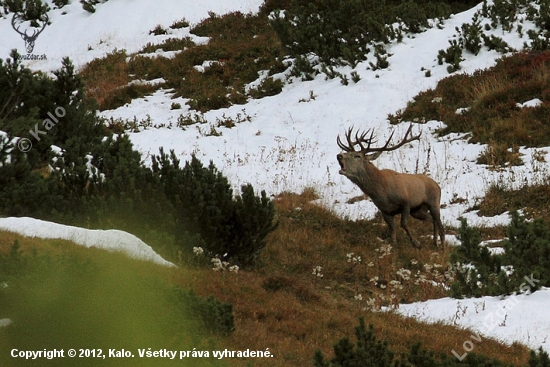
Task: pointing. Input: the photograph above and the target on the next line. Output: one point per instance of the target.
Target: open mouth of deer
(340, 159)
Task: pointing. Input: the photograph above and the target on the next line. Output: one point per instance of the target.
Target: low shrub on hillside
(368, 351)
(527, 248)
(217, 316)
(33, 10)
(344, 32)
(233, 228)
(477, 272)
(526, 260)
(89, 5)
(508, 16)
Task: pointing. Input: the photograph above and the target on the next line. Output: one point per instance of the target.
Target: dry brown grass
(534, 199)
(239, 47)
(29, 245)
(484, 88)
(490, 99)
(103, 76)
(497, 155)
(282, 306)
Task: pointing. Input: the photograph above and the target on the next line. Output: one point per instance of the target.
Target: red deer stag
(392, 192)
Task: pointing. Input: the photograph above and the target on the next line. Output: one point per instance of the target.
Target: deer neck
(373, 183)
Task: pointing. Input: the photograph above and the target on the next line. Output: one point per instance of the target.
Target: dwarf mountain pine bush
(89, 5)
(526, 251)
(368, 351)
(215, 315)
(528, 248)
(33, 10)
(476, 270)
(204, 206)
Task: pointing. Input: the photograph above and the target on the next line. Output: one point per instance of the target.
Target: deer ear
(373, 156)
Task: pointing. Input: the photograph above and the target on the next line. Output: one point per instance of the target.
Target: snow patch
(111, 240)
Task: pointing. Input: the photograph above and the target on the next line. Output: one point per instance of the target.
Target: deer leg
(441, 233)
(431, 214)
(434, 216)
(391, 227)
(404, 217)
(438, 226)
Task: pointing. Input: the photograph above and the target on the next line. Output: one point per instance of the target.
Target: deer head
(29, 39)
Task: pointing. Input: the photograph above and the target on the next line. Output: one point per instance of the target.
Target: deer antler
(362, 139)
(350, 146)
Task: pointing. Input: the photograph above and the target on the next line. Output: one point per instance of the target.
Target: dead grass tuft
(490, 104)
(533, 199)
(103, 77)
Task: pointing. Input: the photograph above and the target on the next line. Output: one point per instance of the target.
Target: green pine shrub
(343, 32)
(368, 351)
(89, 5)
(268, 87)
(29, 100)
(477, 272)
(507, 15)
(539, 358)
(493, 42)
(253, 222)
(33, 10)
(99, 180)
(526, 252)
(60, 3)
(471, 35)
(452, 56)
(228, 227)
(216, 316)
(528, 248)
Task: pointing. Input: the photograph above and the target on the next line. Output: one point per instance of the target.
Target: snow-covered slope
(119, 24)
(291, 144)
